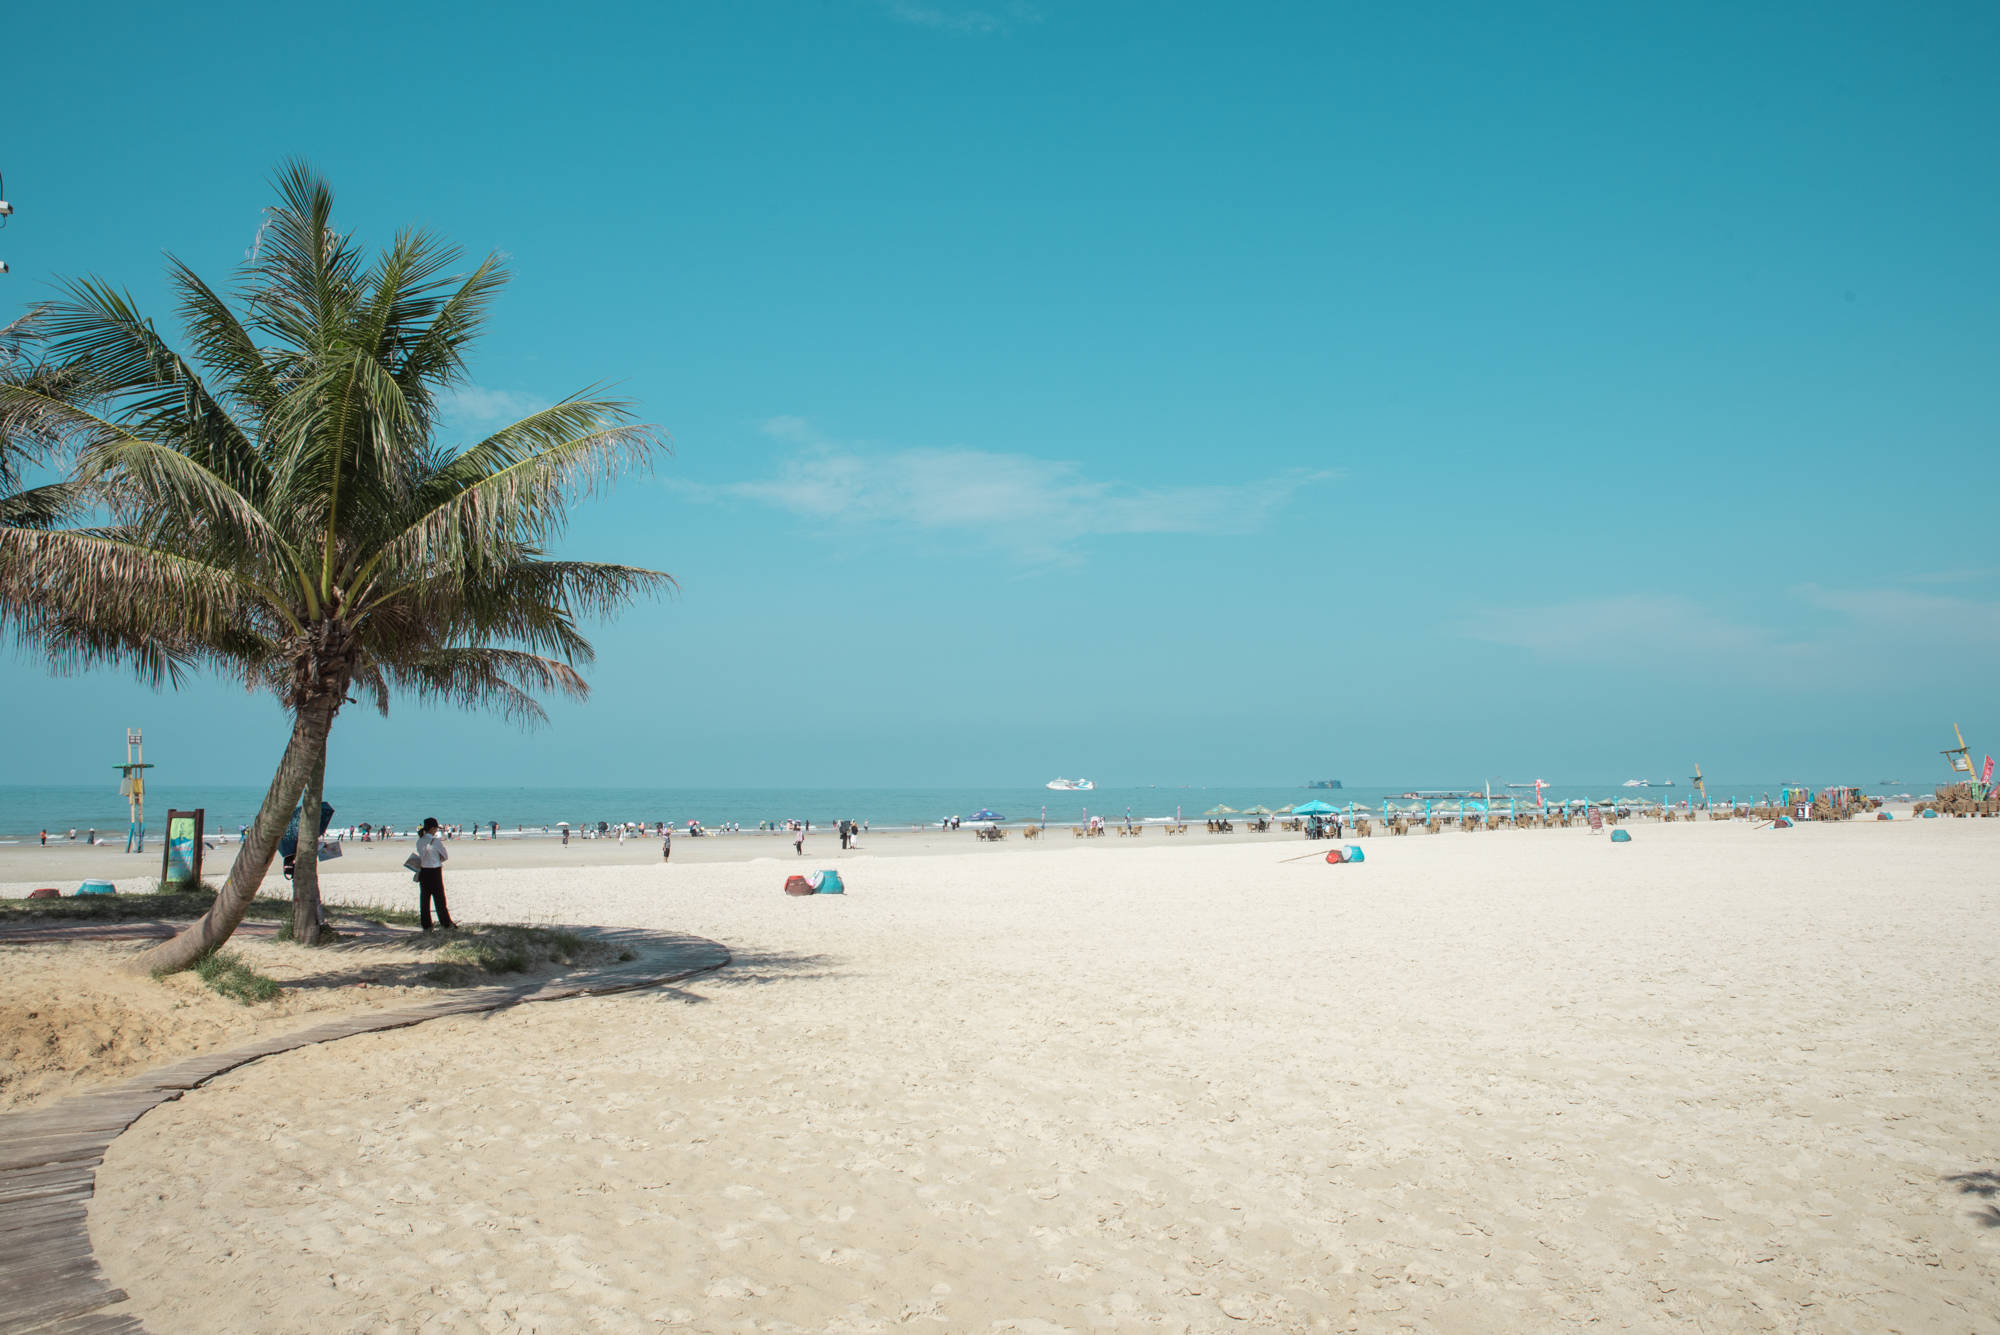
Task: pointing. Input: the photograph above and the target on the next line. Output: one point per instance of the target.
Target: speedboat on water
(1637, 783)
(1071, 785)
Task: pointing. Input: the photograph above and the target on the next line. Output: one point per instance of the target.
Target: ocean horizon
(27, 809)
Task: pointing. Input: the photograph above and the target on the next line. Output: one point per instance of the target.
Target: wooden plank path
(152, 929)
(49, 1280)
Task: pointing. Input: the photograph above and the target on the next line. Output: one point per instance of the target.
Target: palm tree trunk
(305, 867)
(308, 741)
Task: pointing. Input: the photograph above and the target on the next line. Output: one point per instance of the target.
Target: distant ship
(1637, 783)
(1324, 783)
(1071, 785)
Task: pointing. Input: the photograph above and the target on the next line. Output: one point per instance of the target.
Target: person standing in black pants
(431, 857)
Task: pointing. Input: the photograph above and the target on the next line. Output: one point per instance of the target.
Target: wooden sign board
(180, 861)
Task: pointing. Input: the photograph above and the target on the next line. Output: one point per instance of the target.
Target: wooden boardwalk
(49, 1280)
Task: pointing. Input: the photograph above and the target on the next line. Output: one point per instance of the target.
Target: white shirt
(431, 851)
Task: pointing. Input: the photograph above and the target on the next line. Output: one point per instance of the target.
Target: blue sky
(1169, 393)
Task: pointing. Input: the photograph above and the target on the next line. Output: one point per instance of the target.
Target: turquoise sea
(28, 809)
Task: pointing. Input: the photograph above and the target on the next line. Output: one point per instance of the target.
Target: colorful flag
(1987, 776)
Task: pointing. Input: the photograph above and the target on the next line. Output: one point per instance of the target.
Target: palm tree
(282, 507)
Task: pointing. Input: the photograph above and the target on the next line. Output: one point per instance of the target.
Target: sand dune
(1715, 1079)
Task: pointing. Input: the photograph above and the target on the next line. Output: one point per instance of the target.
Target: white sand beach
(1716, 1079)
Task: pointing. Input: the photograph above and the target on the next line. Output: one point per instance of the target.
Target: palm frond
(484, 677)
(524, 501)
(98, 578)
(41, 507)
(98, 334)
(438, 355)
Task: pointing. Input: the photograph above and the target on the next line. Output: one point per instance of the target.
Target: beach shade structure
(1620, 837)
(1336, 856)
(1222, 811)
(1354, 853)
(1282, 811)
(97, 888)
(985, 813)
(798, 885)
(1312, 808)
(1257, 811)
(46, 892)
(826, 883)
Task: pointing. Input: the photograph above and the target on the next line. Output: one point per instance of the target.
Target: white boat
(1071, 785)
(1637, 783)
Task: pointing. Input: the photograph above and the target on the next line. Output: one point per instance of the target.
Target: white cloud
(1036, 508)
(479, 406)
(1624, 627)
(1856, 633)
(962, 18)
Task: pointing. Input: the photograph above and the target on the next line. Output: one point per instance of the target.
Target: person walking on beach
(799, 837)
(565, 836)
(666, 842)
(45, 838)
(431, 857)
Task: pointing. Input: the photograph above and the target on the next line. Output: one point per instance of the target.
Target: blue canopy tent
(1313, 808)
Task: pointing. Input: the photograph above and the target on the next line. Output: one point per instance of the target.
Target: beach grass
(226, 974)
(471, 953)
(177, 902)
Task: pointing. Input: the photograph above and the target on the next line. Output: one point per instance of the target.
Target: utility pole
(6, 212)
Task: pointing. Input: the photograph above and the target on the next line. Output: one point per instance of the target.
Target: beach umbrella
(1221, 811)
(1282, 811)
(1312, 808)
(985, 814)
(1258, 811)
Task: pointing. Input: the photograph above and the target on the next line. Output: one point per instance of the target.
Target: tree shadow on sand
(1982, 1184)
(381, 959)
(760, 968)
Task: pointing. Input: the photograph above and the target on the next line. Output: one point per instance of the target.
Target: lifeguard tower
(132, 787)
(1960, 759)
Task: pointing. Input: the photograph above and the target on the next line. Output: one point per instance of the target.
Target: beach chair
(1076, 830)
(1032, 832)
